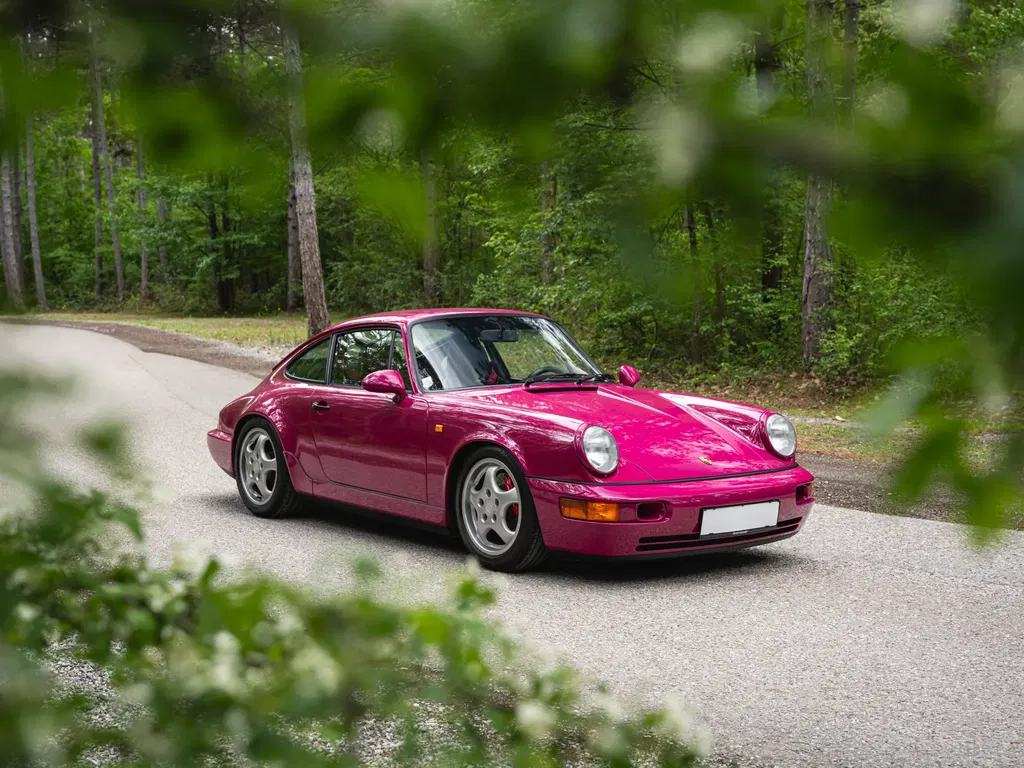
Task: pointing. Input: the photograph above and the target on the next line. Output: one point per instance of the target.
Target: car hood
(661, 433)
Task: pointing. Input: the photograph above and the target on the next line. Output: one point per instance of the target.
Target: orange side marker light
(594, 511)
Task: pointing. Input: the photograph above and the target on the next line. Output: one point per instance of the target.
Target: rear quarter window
(311, 365)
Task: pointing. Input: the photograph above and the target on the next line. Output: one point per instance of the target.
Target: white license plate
(745, 517)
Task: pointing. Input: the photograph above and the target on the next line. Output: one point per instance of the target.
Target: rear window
(311, 365)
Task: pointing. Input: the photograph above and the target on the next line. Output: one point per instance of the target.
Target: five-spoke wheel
(258, 466)
(261, 473)
(490, 506)
(494, 511)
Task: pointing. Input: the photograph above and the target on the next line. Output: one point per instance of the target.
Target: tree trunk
(548, 205)
(431, 247)
(161, 216)
(19, 251)
(143, 249)
(97, 184)
(226, 283)
(12, 276)
(698, 303)
(213, 230)
(851, 33)
(33, 223)
(305, 195)
(817, 280)
(765, 64)
(709, 219)
(104, 156)
(294, 259)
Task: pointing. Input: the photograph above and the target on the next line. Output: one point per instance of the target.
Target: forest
(191, 192)
(830, 189)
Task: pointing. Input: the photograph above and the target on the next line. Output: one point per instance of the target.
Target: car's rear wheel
(261, 472)
(495, 513)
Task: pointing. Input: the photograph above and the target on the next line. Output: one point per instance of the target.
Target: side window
(398, 359)
(358, 353)
(311, 365)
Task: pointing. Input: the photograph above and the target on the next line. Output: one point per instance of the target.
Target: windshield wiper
(602, 376)
(551, 377)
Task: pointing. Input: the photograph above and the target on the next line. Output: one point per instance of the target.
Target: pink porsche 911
(497, 425)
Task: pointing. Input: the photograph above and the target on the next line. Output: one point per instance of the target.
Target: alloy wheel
(490, 507)
(258, 466)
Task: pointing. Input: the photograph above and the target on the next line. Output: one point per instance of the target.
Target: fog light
(595, 511)
(804, 493)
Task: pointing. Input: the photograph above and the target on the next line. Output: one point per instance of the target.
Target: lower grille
(695, 540)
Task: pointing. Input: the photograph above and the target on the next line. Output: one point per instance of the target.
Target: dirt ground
(839, 482)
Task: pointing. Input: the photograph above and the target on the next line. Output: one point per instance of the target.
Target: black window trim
(327, 363)
(356, 329)
(414, 369)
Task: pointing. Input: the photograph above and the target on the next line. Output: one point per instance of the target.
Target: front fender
(543, 450)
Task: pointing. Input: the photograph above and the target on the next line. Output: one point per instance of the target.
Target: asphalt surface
(867, 640)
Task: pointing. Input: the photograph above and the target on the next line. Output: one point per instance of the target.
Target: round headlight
(600, 450)
(780, 435)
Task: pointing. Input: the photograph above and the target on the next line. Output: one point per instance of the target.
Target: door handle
(318, 406)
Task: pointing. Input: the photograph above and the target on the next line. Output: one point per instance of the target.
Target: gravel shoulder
(840, 482)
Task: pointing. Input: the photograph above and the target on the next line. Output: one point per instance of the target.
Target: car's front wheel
(495, 513)
(261, 473)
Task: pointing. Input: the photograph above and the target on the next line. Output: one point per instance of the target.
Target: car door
(366, 439)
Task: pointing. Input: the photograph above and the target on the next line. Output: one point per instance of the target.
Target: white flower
(140, 693)
(888, 105)
(1010, 115)
(237, 724)
(710, 43)
(610, 706)
(224, 674)
(608, 742)
(925, 22)
(288, 623)
(676, 721)
(319, 668)
(225, 643)
(190, 561)
(26, 612)
(681, 139)
(535, 719)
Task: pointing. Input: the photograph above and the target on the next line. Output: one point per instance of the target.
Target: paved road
(865, 641)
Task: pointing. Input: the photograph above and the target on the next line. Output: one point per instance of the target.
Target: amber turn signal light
(595, 511)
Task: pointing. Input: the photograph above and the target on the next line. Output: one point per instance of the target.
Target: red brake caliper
(508, 487)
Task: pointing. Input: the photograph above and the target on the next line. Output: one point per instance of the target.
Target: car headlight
(780, 436)
(600, 450)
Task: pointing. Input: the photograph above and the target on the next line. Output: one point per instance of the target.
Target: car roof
(404, 317)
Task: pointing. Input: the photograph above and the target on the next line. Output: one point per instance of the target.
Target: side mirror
(629, 376)
(385, 382)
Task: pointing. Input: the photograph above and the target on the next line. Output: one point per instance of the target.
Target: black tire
(282, 501)
(527, 551)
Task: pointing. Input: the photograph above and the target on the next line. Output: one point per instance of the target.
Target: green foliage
(202, 666)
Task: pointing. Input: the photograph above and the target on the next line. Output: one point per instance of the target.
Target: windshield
(484, 350)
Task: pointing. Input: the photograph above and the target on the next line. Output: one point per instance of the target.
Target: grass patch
(274, 331)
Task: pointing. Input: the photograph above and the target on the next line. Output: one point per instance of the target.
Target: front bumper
(677, 530)
(219, 443)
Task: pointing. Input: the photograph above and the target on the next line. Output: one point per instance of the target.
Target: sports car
(497, 426)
